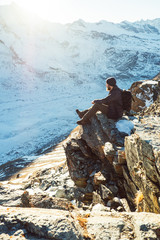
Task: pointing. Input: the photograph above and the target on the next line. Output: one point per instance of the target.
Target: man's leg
(91, 112)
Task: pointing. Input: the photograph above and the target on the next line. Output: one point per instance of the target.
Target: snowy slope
(48, 70)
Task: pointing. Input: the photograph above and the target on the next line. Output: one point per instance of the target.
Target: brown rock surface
(39, 224)
(144, 94)
(99, 223)
(98, 165)
(143, 171)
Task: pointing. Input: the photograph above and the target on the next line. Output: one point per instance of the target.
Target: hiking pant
(92, 110)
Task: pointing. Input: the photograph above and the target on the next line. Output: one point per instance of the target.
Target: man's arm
(99, 101)
(111, 97)
(105, 100)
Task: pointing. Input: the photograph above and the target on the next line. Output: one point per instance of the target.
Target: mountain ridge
(48, 70)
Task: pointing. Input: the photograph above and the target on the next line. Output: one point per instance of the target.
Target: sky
(66, 11)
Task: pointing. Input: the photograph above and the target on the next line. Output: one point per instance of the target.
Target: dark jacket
(114, 102)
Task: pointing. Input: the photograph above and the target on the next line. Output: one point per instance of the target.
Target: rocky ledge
(108, 172)
(98, 224)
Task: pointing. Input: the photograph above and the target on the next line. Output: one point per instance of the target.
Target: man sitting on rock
(111, 106)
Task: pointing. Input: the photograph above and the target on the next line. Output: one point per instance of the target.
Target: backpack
(127, 100)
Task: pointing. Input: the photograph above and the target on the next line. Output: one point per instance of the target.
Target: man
(111, 106)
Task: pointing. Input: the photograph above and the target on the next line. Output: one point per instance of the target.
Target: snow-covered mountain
(47, 70)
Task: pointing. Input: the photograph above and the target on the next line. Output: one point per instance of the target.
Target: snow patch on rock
(125, 126)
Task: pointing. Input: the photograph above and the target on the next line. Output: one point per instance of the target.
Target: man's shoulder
(117, 89)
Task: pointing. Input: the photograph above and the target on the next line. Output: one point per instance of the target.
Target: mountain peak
(79, 23)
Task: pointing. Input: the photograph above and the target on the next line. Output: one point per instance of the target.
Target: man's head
(110, 83)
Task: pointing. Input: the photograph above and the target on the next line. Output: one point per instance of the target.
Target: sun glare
(34, 6)
(52, 10)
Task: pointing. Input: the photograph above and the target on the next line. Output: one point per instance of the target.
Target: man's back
(114, 102)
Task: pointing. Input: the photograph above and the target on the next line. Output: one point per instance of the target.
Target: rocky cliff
(100, 188)
(99, 162)
(98, 155)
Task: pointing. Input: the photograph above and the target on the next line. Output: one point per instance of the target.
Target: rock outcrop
(144, 93)
(143, 172)
(36, 224)
(153, 109)
(100, 160)
(95, 156)
(33, 223)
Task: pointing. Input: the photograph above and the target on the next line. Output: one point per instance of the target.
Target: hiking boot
(83, 122)
(81, 113)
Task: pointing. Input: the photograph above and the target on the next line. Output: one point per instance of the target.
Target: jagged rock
(117, 202)
(95, 155)
(153, 109)
(100, 223)
(56, 183)
(144, 93)
(109, 128)
(94, 136)
(118, 168)
(61, 193)
(114, 203)
(105, 225)
(113, 189)
(90, 151)
(106, 193)
(125, 204)
(80, 165)
(120, 209)
(25, 198)
(121, 157)
(119, 162)
(109, 151)
(132, 168)
(157, 159)
(40, 223)
(10, 195)
(47, 189)
(98, 138)
(99, 178)
(99, 207)
(97, 198)
(143, 171)
(44, 201)
(129, 186)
